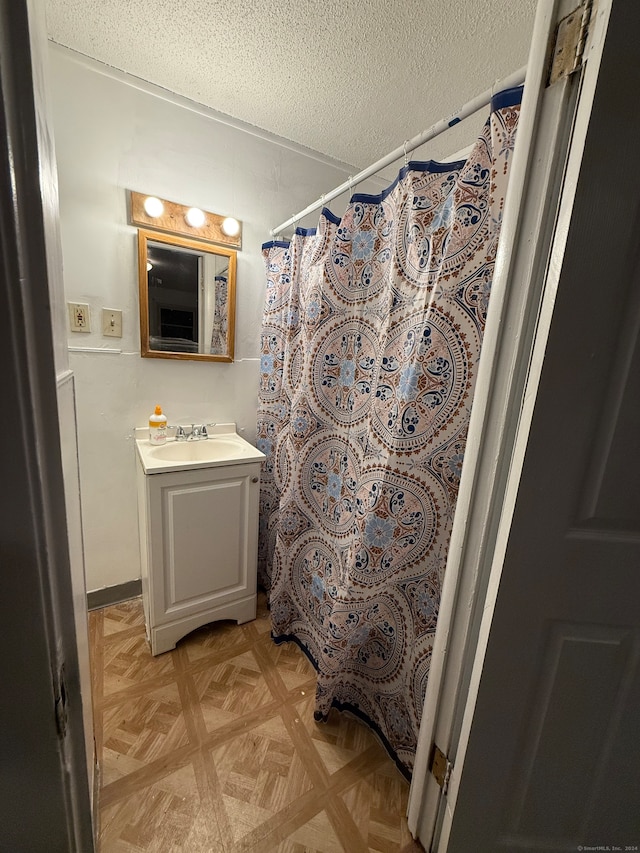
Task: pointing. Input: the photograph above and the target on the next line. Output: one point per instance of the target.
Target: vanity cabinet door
(203, 539)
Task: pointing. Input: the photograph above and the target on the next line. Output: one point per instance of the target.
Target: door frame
(45, 803)
(543, 175)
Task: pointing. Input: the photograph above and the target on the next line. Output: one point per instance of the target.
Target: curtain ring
(350, 182)
(322, 201)
(404, 146)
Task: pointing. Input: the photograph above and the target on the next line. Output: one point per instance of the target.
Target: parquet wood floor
(212, 748)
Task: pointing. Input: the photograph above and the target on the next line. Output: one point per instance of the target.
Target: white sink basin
(199, 451)
(221, 448)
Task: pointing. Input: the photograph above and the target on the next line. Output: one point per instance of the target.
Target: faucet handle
(203, 431)
(180, 434)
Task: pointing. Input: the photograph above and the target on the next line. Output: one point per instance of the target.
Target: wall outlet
(112, 322)
(79, 319)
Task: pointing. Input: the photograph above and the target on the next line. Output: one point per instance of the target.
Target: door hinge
(571, 36)
(60, 699)
(440, 768)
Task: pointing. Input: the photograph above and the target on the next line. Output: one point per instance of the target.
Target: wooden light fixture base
(173, 220)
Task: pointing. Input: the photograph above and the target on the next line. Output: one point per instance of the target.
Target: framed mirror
(187, 298)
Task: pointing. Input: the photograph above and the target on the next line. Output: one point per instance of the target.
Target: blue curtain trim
(275, 244)
(412, 166)
(346, 706)
(330, 215)
(507, 98)
(501, 100)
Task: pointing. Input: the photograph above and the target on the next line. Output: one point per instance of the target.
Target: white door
(546, 755)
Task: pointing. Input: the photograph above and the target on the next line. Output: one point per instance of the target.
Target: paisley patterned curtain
(370, 346)
(219, 343)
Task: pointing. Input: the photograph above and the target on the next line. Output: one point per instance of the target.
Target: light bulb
(230, 226)
(195, 217)
(153, 207)
(149, 266)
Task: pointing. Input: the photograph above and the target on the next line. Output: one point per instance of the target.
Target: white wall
(114, 133)
(64, 375)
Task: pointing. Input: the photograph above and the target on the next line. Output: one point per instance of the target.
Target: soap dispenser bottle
(157, 427)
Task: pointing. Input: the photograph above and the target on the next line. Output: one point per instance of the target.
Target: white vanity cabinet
(198, 543)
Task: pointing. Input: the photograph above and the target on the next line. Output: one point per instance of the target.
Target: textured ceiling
(350, 79)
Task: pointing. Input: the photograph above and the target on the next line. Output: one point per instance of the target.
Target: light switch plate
(112, 322)
(79, 318)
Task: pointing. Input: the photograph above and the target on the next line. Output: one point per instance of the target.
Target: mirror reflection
(187, 298)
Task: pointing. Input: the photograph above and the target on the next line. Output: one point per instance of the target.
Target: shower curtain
(219, 344)
(371, 338)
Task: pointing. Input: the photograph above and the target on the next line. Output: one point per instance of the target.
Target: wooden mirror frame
(198, 246)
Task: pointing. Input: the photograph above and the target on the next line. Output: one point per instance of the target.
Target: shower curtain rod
(472, 106)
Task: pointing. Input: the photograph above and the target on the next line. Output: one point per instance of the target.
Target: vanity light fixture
(230, 226)
(147, 211)
(153, 207)
(195, 217)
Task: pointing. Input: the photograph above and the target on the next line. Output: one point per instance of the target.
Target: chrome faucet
(198, 432)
